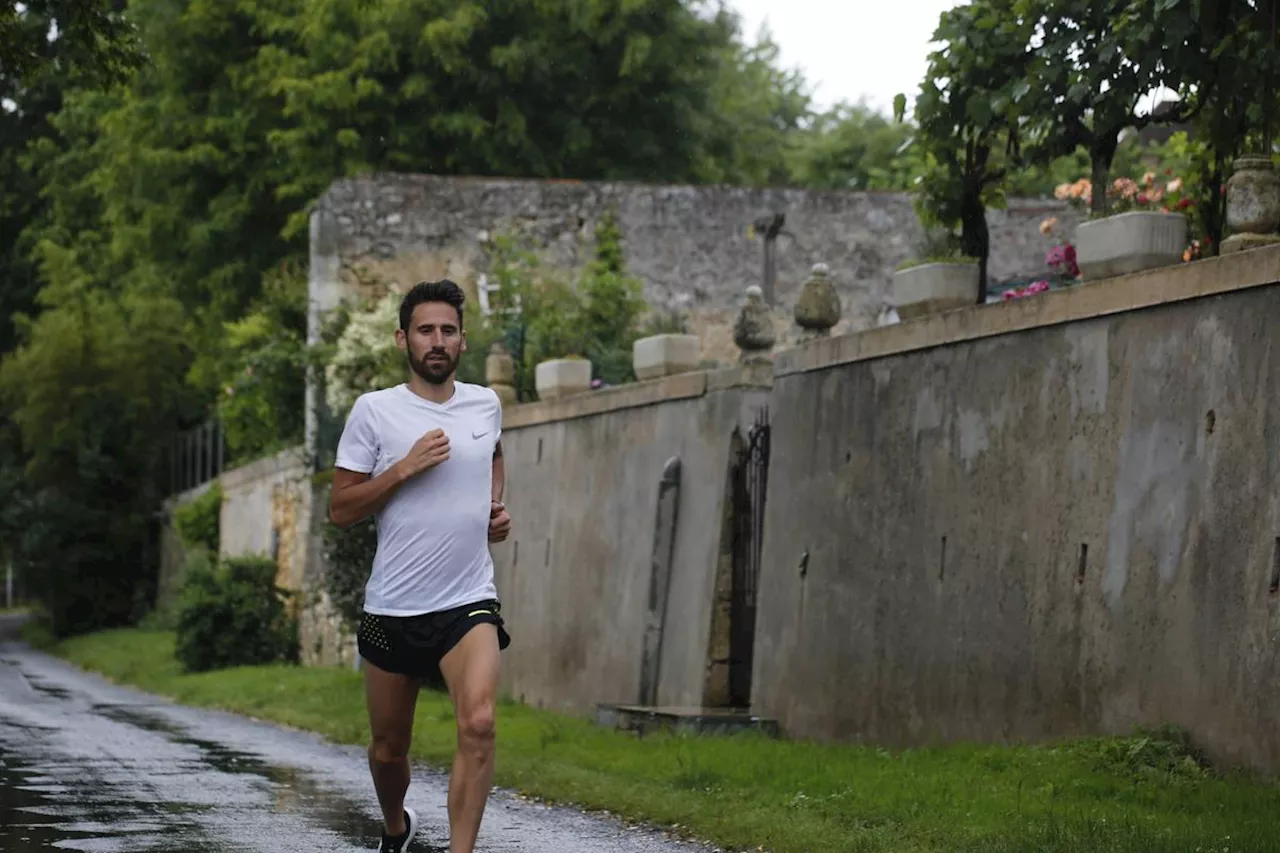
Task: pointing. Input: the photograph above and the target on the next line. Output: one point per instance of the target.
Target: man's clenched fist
(499, 522)
(426, 453)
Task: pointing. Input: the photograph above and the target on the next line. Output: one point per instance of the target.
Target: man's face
(434, 341)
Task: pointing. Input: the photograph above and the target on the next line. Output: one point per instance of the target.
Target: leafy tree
(1094, 64)
(92, 393)
(854, 147)
(90, 38)
(968, 114)
(1230, 74)
(759, 112)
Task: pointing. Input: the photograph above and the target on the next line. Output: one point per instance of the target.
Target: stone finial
(818, 308)
(500, 372)
(753, 330)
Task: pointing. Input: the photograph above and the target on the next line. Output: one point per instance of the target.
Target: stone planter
(932, 288)
(562, 377)
(1253, 196)
(1129, 242)
(663, 355)
(1253, 205)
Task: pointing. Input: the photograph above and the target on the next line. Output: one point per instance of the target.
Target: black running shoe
(400, 843)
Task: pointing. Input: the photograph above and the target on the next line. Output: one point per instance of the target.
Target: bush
(349, 554)
(197, 521)
(232, 614)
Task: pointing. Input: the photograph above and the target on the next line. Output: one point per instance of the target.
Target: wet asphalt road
(89, 766)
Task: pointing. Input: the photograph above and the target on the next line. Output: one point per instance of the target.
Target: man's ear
(402, 340)
(464, 342)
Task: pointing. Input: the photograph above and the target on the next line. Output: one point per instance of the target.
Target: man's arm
(499, 472)
(355, 496)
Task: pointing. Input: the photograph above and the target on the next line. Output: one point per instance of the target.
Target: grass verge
(1144, 794)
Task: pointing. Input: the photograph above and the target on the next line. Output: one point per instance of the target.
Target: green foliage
(665, 322)
(348, 556)
(232, 613)
(198, 520)
(1160, 756)
(92, 392)
(1093, 64)
(262, 370)
(539, 314)
(95, 41)
(364, 356)
(854, 147)
(968, 112)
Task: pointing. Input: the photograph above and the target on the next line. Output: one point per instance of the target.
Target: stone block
(663, 355)
(562, 377)
(932, 288)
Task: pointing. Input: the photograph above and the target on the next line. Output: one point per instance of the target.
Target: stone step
(644, 719)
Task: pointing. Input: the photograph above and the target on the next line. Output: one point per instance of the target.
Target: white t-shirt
(433, 535)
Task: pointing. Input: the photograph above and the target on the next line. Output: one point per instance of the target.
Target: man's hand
(426, 453)
(499, 522)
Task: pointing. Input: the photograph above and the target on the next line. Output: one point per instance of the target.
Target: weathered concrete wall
(269, 509)
(574, 576)
(265, 507)
(1033, 520)
(691, 246)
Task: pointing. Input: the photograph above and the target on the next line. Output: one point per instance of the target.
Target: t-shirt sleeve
(358, 446)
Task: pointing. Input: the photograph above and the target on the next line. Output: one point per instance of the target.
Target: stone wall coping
(679, 386)
(287, 459)
(342, 186)
(1134, 292)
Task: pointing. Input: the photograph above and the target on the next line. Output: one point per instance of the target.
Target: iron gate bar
(750, 480)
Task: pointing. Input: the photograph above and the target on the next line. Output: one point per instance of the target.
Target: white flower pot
(663, 355)
(562, 377)
(932, 288)
(1129, 242)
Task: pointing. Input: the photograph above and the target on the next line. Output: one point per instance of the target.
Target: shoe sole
(411, 821)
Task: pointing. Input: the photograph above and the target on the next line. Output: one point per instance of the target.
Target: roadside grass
(1142, 794)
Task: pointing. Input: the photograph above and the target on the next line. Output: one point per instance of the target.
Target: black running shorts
(414, 645)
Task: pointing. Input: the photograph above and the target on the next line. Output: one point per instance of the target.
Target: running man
(425, 459)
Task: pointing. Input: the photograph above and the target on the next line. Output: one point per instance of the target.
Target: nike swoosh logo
(480, 434)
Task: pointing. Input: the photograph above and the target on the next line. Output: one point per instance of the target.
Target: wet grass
(1143, 794)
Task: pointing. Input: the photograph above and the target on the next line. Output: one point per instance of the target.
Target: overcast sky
(850, 49)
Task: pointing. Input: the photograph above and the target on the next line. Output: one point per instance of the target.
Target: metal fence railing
(195, 457)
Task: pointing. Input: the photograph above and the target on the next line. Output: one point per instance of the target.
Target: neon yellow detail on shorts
(478, 612)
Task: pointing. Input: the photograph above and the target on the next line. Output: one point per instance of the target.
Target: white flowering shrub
(365, 356)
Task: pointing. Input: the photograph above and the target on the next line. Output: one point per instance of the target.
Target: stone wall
(583, 479)
(1033, 520)
(272, 509)
(692, 246)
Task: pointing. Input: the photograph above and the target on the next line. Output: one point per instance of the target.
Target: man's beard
(434, 372)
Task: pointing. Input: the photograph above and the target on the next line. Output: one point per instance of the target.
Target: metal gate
(750, 475)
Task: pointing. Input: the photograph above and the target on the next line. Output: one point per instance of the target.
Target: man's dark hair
(431, 291)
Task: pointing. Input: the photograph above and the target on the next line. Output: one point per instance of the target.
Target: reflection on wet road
(88, 766)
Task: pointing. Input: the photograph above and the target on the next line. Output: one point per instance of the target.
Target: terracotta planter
(663, 355)
(562, 377)
(1129, 242)
(933, 288)
(1253, 196)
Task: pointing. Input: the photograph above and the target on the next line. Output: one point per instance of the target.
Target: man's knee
(388, 750)
(476, 725)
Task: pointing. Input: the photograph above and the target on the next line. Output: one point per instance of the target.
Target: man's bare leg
(391, 699)
(471, 672)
